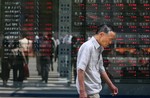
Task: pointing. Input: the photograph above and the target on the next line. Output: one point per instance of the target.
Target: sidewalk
(56, 87)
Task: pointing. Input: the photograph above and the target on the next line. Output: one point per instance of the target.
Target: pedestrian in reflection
(90, 67)
(6, 60)
(37, 41)
(56, 50)
(52, 50)
(45, 53)
(26, 45)
(74, 45)
(18, 64)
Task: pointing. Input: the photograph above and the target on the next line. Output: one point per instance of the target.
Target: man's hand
(112, 87)
(114, 90)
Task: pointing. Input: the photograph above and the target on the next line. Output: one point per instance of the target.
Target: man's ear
(101, 33)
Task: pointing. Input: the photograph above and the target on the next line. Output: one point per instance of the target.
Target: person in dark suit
(45, 54)
(5, 60)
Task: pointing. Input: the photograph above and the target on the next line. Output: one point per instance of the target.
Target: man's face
(106, 39)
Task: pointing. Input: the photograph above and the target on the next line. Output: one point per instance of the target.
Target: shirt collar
(96, 44)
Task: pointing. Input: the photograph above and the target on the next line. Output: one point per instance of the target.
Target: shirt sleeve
(83, 57)
(101, 67)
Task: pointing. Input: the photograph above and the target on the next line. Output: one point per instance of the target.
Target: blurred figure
(67, 39)
(27, 48)
(74, 45)
(37, 41)
(18, 64)
(45, 52)
(6, 60)
(56, 50)
(53, 46)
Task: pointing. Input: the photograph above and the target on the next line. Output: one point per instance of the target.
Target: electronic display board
(26, 16)
(24, 23)
(11, 15)
(128, 56)
(127, 59)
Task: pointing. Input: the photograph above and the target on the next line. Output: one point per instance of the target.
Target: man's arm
(113, 88)
(83, 93)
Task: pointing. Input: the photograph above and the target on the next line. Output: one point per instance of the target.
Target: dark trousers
(18, 72)
(44, 68)
(5, 70)
(38, 67)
